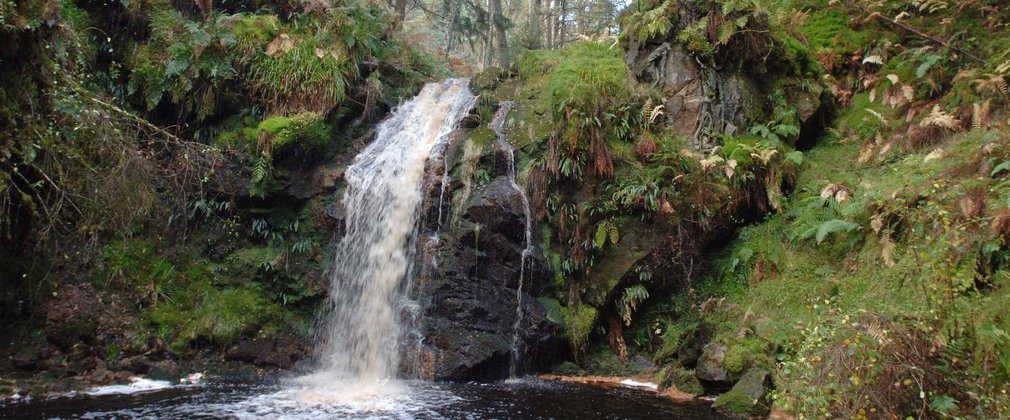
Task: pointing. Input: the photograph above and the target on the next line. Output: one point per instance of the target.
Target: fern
(834, 226)
(943, 404)
(258, 184)
(629, 302)
(605, 231)
(795, 156)
(931, 6)
(927, 63)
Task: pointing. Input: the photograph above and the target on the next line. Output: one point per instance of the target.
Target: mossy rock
(568, 368)
(676, 376)
(749, 396)
(204, 313)
(486, 80)
(301, 136)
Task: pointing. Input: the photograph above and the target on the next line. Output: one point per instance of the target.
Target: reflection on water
(515, 399)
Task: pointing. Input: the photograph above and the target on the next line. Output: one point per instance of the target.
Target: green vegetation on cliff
(625, 201)
(871, 276)
(162, 164)
(877, 287)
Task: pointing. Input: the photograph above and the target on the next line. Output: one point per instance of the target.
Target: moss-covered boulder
(749, 397)
(676, 376)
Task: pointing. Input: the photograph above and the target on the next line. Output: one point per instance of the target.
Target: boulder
(748, 397)
(101, 376)
(140, 365)
(679, 378)
(710, 364)
(165, 370)
(26, 358)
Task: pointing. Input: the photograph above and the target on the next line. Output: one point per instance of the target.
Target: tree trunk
(561, 24)
(549, 20)
(534, 6)
(499, 33)
(400, 7)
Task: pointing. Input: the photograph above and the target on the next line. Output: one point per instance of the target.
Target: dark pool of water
(518, 399)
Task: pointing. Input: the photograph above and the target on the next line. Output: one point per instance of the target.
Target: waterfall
(497, 124)
(369, 292)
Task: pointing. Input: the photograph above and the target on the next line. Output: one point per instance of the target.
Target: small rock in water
(192, 379)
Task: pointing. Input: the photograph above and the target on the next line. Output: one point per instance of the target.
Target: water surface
(514, 399)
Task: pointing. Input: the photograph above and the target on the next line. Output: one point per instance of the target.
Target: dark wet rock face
(467, 287)
(274, 351)
(698, 99)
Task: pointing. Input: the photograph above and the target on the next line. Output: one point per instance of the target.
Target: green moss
(579, 322)
(830, 29)
(255, 31)
(481, 137)
(676, 376)
(736, 402)
(555, 312)
(248, 262)
(736, 359)
(227, 139)
(800, 62)
(203, 312)
(303, 135)
(587, 74)
(862, 116)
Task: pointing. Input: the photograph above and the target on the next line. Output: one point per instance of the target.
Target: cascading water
(374, 261)
(498, 124)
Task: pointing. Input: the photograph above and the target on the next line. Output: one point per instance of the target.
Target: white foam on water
(382, 400)
(635, 384)
(137, 384)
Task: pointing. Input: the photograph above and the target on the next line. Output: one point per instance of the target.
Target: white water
(498, 124)
(360, 342)
(137, 384)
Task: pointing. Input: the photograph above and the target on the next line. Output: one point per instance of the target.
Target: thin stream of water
(498, 125)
